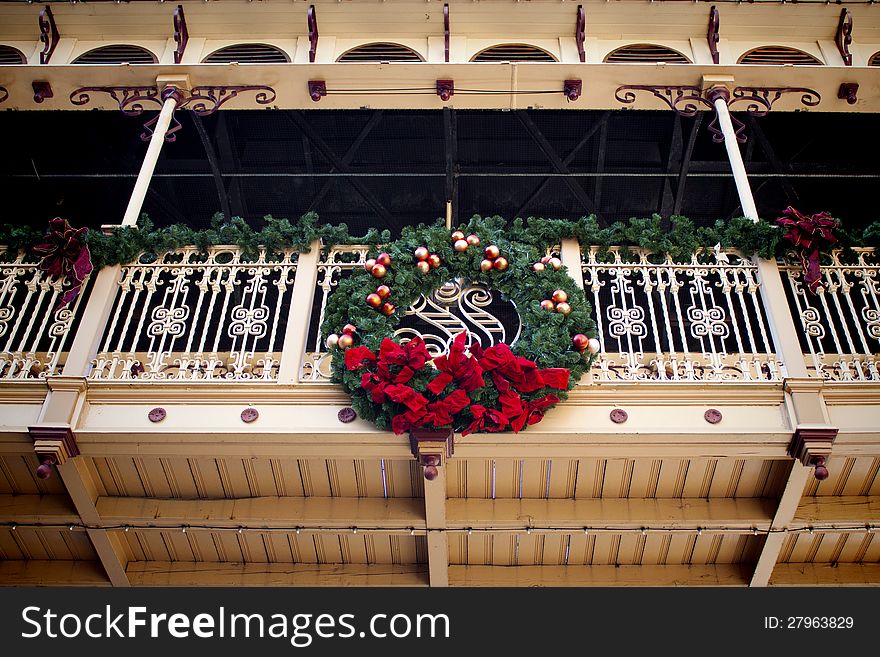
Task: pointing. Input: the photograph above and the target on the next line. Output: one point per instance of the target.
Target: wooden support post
(788, 505)
(570, 254)
(433, 448)
(298, 314)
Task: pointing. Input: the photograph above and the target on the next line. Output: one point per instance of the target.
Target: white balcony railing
(660, 320)
(840, 324)
(186, 315)
(34, 332)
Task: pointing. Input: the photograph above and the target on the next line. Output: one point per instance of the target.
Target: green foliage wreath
(545, 338)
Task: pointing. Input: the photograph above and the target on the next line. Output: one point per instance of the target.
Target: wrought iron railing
(34, 331)
(662, 320)
(840, 323)
(192, 315)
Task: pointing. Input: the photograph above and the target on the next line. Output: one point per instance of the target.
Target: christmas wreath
(399, 385)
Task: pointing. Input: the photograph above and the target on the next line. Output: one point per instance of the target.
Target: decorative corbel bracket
(687, 99)
(446, 32)
(42, 90)
(181, 34)
(580, 33)
(445, 89)
(431, 448)
(811, 445)
(312, 19)
(848, 91)
(48, 34)
(202, 100)
(844, 35)
(53, 446)
(712, 35)
(317, 89)
(572, 89)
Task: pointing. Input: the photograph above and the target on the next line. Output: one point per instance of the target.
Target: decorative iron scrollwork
(4, 94)
(181, 34)
(843, 39)
(712, 35)
(48, 34)
(206, 100)
(761, 99)
(683, 99)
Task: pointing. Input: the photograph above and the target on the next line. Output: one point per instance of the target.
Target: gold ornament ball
(538, 267)
(374, 300)
(348, 329)
(580, 341)
(421, 253)
(593, 346)
(559, 296)
(492, 252)
(486, 265)
(473, 240)
(546, 304)
(369, 264)
(378, 270)
(383, 259)
(501, 263)
(423, 266)
(332, 340)
(457, 235)
(563, 308)
(434, 260)
(556, 263)
(383, 291)
(345, 341)
(460, 245)
(387, 308)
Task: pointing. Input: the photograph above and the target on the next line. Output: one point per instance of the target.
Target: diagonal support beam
(348, 157)
(686, 164)
(211, 154)
(338, 164)
(558, 165)
(673, 161)
(785, 512)
(601, 147)
(790, 193)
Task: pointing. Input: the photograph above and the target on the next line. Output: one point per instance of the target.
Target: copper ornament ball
(460, 245)
(332, 340)
(473, 240)
(434, 260)
(421, 253)
(556, 263)
(383, 291)
(559, 296)
(486, 265)
(580, 341)
(374, 300)
(501, 263)
(378, 271)
(538, 266)
(348, 329)
(423, 266)
(546, 304)
(457, 235)
(563, 308)
(345, 341)
(545, 260)
(387, 308)
(369, 264)
(492, 252)
(383, 259)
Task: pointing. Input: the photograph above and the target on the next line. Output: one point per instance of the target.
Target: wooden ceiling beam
(826, 574)
(673, 513)
(178, 573)
(257, 512)
(715, 575)
(842, 509)
(45, 509)
(37, 572)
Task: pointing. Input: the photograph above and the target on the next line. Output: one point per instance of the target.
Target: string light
(126, 529)
(241, 530)
(528, 530)
(412, 531)
(183, 529)
(71, 527)
(298, 530)
(699, 531)
(644, 531)
(586, 530)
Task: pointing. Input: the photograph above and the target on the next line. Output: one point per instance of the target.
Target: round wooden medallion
(249, 415)
(157, 414)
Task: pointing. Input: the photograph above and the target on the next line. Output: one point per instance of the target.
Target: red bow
(809, 235)
(355, 357)
(458, 367)
(65, 256)
(520, 373)
(413, 354)
(486, 419)
(533, 412)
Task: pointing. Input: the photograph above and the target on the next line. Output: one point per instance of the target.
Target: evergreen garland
(546, 337)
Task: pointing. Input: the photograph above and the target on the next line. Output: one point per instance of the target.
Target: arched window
(769, 55)
(118, 54)
(875, 59)
(10, 55)
(380, 52)
(513, 52)
(250, 53)
(641, 53)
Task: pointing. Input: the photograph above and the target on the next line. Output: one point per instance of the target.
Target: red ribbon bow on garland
(810, 235)
(388, 374)
(65, 256)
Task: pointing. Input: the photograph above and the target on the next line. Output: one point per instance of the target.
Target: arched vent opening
(775, 55)
(10, 55)
(513, 52)
(380, 52)
(248, 53)
(117, 55)
(875, 59)
(646, 53)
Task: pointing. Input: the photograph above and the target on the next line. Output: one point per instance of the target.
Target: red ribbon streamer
(66, 256)
(809, 235)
